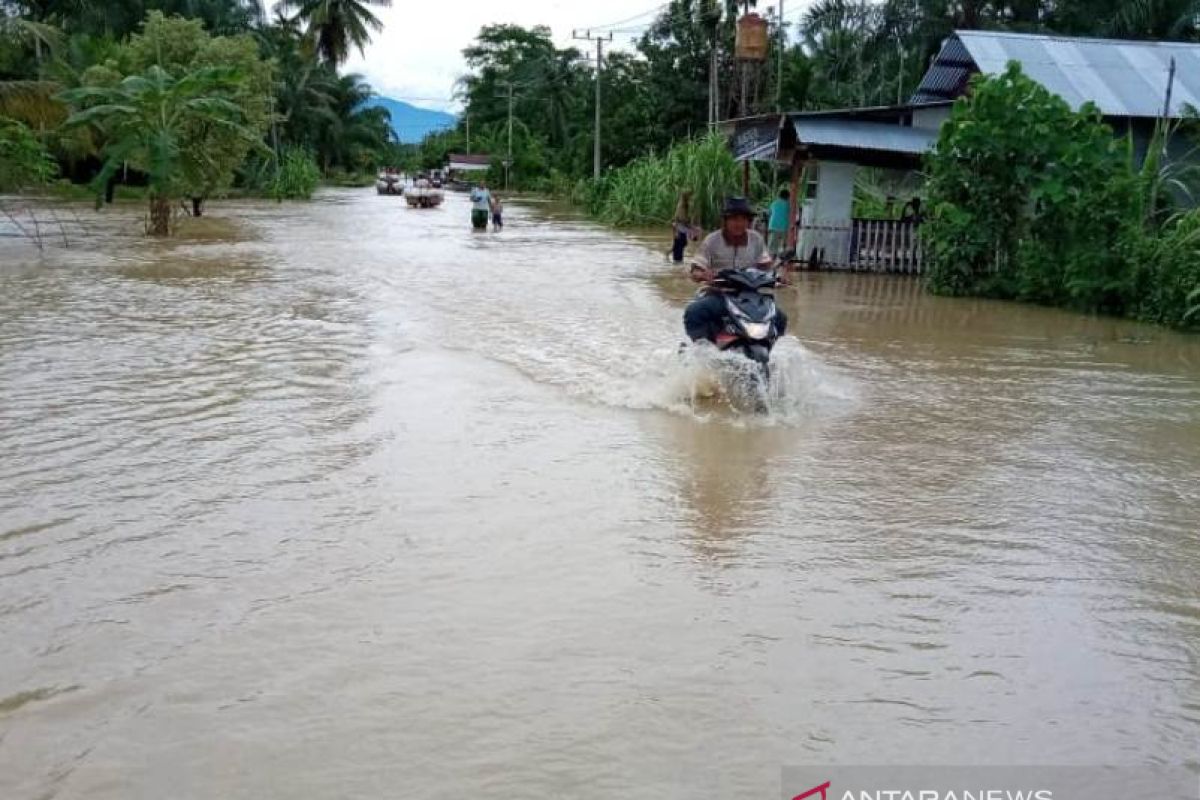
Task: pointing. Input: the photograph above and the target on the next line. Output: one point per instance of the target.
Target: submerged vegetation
(1077, 219)
(297, 177)
(186, 100)
(24, 162)
(186, 134)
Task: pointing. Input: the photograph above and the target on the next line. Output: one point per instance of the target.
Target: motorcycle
(750, 325)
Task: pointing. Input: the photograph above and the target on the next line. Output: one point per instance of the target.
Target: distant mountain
(410, 122)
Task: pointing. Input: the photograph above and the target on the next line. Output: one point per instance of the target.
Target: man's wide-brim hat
(737, 206)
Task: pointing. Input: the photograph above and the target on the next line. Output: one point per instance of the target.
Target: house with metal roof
(1133, 84)
(1124, 79)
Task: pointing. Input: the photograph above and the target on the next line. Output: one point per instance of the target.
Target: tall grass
(645, 191)
(298, 175)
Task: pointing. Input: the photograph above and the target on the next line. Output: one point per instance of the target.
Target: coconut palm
(836, 36)
(146, 119)
(1156, 19)
(557, 82)
(337, 25)
(16, 31)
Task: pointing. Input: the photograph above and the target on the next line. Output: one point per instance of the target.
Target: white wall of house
(826, 219)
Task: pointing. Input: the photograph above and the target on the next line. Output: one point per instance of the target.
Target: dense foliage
(838, 53)
(1033, 201)
(24, 162)
(279, 90)
(157, 123)
(648, 188)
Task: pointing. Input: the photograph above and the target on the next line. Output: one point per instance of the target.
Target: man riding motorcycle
(734, 246)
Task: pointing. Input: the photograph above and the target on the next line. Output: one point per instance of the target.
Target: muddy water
(341, 500)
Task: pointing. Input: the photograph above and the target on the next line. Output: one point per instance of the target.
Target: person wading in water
(497, 214)
(681, 226)
(481, 206)
(778, 224)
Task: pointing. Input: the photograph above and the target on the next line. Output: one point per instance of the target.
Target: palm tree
(337, 25)
(146, 118)
(836, 33)
(1157, 19)
(555, 80)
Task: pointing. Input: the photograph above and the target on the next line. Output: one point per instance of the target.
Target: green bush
(1029, 199)
(298, 175)
(24, 162)
(1032, 201)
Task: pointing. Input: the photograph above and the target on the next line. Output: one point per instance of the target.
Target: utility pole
(782, 48)
(599, 40)
(467, 119)
(508, 161)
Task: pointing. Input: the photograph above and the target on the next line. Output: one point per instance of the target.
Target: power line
(620, 22)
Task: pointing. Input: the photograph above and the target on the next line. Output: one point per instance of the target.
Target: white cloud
(418, 56)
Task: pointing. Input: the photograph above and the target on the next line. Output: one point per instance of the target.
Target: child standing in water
(497, 214)
(681, 226)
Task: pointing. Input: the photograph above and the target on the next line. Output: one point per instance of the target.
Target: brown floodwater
(342, 500)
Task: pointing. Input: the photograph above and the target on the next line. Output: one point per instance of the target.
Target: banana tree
(148, 119)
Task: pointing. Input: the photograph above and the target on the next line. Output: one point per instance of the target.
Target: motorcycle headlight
(757, 330)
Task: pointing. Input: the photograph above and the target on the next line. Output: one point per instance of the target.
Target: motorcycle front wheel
(749, 387)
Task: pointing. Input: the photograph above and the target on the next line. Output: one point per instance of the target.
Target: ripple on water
(359, 448)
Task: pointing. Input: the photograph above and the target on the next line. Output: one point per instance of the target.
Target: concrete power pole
(599, 40)
(508, 160)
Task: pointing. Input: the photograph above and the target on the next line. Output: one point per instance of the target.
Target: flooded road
(342, 500)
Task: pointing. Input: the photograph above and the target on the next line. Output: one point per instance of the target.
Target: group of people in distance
(484, 204)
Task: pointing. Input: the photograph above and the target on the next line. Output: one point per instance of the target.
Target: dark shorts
(678, 246)
(479, 218)
(497, 220)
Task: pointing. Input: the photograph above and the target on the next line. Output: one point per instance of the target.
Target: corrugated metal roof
(880, 137)
(1123, 78)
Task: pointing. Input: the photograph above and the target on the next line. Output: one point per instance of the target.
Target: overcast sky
(418, 56)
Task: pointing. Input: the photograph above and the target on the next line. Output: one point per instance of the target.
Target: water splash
(700, 382)
(725, 386)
